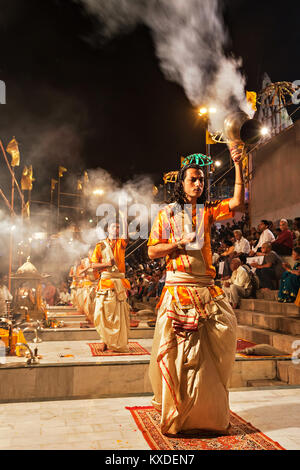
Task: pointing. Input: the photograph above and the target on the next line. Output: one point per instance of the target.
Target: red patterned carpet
(243, 436)
(135, 349)
(243, 344)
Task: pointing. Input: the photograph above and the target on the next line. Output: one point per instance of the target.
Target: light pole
(205, 113)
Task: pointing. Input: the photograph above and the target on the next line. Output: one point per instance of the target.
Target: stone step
(73, 321)
(143, 315)
(289, 372)
(280, 341)
(270, 306)
(97, 377)
(73, 381)
(265, 383)
(51, 309)
(67, 318)
(146, 305)
(85, 334)
(279, 323)
(247, 369)
(267, 295)
(140, 315)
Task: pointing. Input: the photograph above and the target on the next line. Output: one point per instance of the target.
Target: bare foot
(102, 347)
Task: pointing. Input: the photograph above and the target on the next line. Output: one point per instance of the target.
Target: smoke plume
(190, 37)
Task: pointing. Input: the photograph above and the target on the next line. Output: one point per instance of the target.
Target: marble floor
(105, 424)
(78, 352)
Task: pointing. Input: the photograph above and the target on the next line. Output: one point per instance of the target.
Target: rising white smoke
(189, 37)
(53, 256)
(130, 200)
(56, 255)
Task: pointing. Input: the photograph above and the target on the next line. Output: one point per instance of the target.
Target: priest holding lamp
(195, 336)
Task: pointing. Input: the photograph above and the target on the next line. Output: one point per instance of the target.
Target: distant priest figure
(90, 282)
(111, 317)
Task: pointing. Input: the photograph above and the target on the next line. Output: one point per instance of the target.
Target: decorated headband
(198, 159)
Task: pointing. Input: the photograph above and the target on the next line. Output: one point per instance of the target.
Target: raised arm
(238, 199)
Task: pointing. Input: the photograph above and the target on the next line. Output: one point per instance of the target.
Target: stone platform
(82, 375)
(264, 320)
(67, 369)
(87, 334)
(71, 331)
(105, 424)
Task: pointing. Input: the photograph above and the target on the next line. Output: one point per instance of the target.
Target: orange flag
(13, 150)
(61, 170)
(251, 98)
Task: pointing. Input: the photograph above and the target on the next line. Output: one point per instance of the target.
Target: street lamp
(98, 192)
(205, 112)
(218, 163)
(202, 111)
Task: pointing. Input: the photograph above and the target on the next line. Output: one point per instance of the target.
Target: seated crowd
(239, 275)
(233, 246)
(266, 258)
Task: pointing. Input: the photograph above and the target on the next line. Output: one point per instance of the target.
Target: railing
(221, 192)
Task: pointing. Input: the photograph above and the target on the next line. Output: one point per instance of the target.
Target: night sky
(75, 102)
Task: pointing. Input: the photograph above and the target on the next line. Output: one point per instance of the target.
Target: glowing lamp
(98, 192)
(202, 111)
(264, 131)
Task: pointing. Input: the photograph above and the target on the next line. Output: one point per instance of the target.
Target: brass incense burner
(239, 128)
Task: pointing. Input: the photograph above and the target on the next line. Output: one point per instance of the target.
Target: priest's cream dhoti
(192, 359)
(111, 317)
(89, 302)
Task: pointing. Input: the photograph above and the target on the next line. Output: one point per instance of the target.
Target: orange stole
(162, 232)
(118, 248)
(183, 294)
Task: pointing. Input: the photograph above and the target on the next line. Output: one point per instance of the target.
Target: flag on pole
(13, 150)
(26, 210)
(53, 183)
(27, 178)
(209, 140)
(251, 98)
(85, 177)
(61, 170)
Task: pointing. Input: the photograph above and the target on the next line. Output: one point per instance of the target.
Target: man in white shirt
(239, 285)
(64, 296)
(4, 295)
(241, 245)
(265, 236)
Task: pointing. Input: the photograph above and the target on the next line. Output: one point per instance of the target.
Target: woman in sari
(290, 280)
